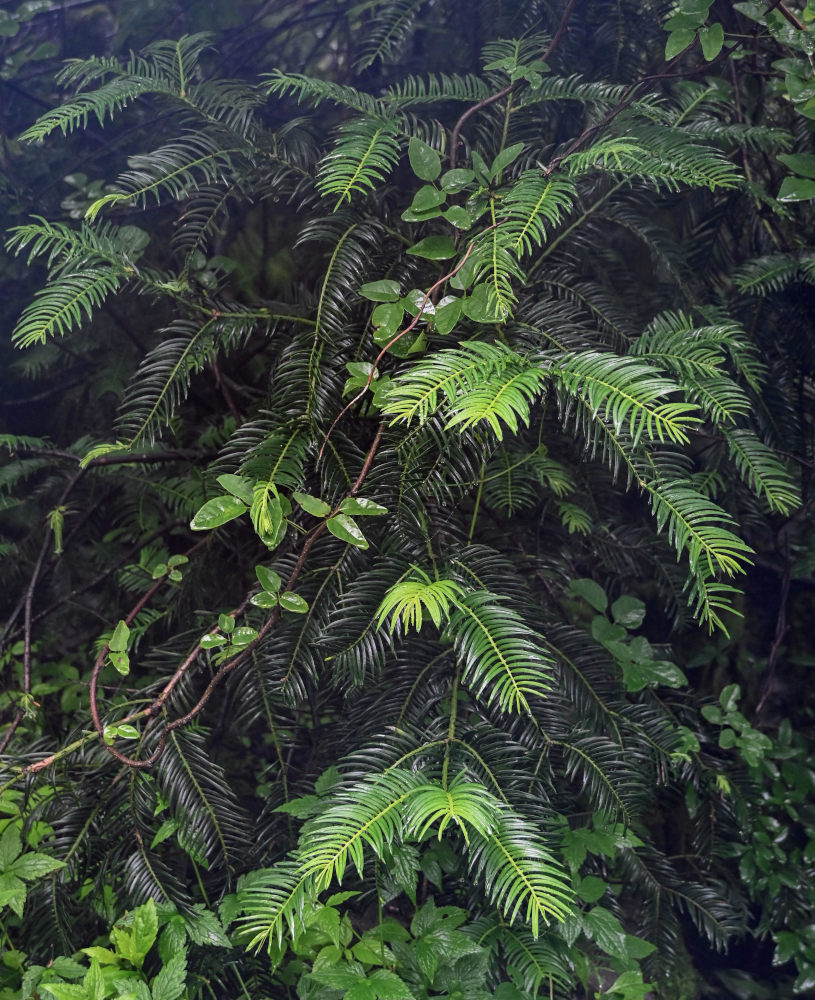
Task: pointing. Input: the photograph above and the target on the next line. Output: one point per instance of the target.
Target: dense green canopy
(405, 470)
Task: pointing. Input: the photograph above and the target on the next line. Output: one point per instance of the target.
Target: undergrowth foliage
(428, 431)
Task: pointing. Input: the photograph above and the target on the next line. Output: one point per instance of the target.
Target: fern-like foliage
(365, 153)
(401, 406)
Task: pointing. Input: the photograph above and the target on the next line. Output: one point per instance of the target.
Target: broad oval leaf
(216, 512)
(362, 507)
(211, 639)
(434, 248)
(426, 198)
(385, 290)
(294, 602)
(347, 530)
(264, 600)
(311, 505)
(424, 160)
(243, 636)
(238, 486)
(268, 579)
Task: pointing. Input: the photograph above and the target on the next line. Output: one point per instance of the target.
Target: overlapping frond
(502, 657)
(363, 156)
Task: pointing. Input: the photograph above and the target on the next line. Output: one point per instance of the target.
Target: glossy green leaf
(216, 512)
(447, 314)
(311, 505)
(434, 248)
(264, 600)
(268, 579)
(243, 636)
(628, 611)
(359, 506)
(458, 216)
(457, 179)
(347, 530)
(384, 290)
(293, 602)
(424, 160)
(387, 317)
(238, 486)
(212, 639)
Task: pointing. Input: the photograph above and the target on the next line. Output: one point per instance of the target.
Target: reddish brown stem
(226, 668)
(390, 344)
(506, 91)
(787, 13)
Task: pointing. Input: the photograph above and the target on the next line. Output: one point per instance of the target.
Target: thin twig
(787, 13)
(506, 91)
(391, 342)
(781, 629)
(226, 668)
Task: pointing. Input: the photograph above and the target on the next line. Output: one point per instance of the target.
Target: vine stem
(390, 343)
(226, 668)
(506, 91)
(451, 730)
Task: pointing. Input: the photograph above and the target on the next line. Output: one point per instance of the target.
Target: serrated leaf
(30, 866)
(218, 511)
(293, 602)
(144, 928)
(424, 160)
(171, 979)
(347, 530)
(94, 982)
(10, 846)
